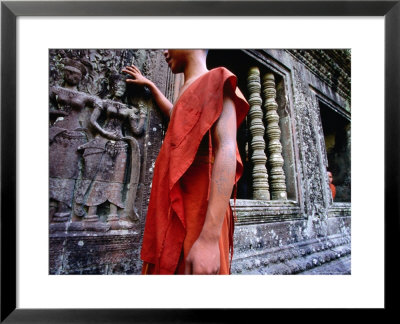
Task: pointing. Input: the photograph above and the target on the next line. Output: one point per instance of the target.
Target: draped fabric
(333, 189)
(181, 179)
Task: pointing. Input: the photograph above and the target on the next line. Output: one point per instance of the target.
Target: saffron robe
(333, 189)
(193, 116)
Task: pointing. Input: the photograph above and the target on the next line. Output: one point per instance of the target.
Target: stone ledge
(264, 203)
(341, 266)
(95, 253)
(261, 211)
(294, 258)
(339, 210)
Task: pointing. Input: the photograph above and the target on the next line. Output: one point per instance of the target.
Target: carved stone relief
(66, 135)
(106, 161)
(306, 115)
(104, 138)
(96, 123)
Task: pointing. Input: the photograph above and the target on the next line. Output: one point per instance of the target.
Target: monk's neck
(193, 71)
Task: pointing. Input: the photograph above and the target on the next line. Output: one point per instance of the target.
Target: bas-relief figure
(97, 165)
(111, 166)
(66, 135)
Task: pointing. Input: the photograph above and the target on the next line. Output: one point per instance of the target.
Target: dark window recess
(239, 63)
(337, 134)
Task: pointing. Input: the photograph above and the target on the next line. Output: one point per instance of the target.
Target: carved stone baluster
(277, 176)
(260, 175)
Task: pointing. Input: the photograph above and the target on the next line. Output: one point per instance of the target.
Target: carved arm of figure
(93, 102)
(53, 96)
(55, 113)
(138, 126)
(93, 121)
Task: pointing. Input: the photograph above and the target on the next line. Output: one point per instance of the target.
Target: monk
(331, 185)
(189, 223)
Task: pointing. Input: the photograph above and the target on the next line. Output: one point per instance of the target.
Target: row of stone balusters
(261, 190)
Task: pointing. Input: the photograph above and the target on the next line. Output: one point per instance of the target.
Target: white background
(363, 288)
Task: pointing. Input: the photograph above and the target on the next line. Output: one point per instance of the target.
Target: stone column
(259, 159)
(277, 176)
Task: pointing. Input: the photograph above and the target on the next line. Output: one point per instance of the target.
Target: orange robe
(182, 176)
(333, 189)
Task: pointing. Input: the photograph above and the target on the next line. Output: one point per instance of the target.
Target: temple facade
(104, 138)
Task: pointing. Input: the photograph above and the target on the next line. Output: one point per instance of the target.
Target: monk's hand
(136, 76)
(203, 257)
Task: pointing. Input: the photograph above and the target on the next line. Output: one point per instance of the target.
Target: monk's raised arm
(137, 78)
(204, 257)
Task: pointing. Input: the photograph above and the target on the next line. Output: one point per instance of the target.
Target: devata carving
(66, 135)
(111, 166)
(95, 159)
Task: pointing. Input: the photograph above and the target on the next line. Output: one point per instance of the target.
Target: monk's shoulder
(215, 78)
(221, 72)
(212, 84)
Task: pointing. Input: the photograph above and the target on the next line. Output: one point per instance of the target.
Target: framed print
(38, 38)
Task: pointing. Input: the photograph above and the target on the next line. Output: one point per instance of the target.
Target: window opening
(337, 136)
(241, 64)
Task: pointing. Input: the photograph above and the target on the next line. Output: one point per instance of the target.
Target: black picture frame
(10, 10)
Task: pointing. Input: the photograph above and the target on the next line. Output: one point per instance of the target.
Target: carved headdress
(69, 63)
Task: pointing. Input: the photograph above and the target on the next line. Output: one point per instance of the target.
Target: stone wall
(296, 236)
(104, 141)
(96, 127)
